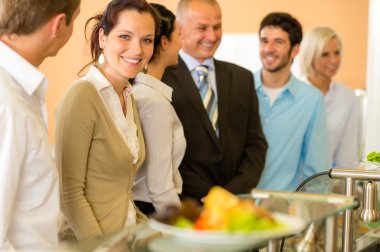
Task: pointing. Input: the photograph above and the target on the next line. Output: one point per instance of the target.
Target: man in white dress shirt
(30, 31)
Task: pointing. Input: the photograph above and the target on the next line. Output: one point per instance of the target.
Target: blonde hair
(312, 47)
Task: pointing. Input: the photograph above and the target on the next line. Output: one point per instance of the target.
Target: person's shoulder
(81, 88)
(307, 89)
(171, 71)
(80, 101)
(12, 96)
(80, 93)
(5, 86)
(149, 99)
(172, 68)
(344, 90)
(307, 93)
(146, 96)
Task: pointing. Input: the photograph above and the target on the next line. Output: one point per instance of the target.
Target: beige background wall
(348, 17)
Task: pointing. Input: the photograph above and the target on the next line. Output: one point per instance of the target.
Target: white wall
(372, 133)
(241, 49)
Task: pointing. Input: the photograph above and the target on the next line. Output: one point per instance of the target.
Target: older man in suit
(217, 105)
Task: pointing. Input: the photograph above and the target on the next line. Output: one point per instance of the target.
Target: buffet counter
(300, 208)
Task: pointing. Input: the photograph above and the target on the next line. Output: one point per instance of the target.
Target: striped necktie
(207, 94)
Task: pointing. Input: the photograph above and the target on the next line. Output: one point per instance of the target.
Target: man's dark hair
(287, 23)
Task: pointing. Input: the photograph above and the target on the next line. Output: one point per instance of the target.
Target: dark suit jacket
(235, 160)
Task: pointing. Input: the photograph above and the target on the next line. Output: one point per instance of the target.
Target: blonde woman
(320, 58)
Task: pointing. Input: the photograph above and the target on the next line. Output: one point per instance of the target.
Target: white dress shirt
(158, 181)
(342, 126)
(29, 196)
(125, 124)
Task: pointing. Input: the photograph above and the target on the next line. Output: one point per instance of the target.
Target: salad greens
(374, 157)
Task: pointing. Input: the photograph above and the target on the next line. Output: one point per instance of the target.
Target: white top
(29, 193)
(158, 181)
(125, 124)
(342, 126)
(272, 93)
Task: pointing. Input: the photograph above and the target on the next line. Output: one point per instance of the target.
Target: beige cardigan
(94, 163)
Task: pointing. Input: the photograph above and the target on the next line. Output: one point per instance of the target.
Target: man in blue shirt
(293, 114)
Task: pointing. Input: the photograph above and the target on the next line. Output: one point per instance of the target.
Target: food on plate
(222, 211)
(374, 157)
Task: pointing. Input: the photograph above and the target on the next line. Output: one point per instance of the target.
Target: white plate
(368, 165)
(173, 244)
(231, 241)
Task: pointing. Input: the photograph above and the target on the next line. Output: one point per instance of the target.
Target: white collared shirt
(125, 124)
(342, 125)
(158, 181)
(29, 193)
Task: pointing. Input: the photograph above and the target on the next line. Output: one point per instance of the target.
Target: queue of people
(156, 118)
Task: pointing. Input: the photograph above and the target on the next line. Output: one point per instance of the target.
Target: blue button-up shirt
(296, 131)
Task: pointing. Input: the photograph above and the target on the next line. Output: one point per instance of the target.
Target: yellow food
(224, 211)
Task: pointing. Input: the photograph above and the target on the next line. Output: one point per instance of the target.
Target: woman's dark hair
(287, 23)
(166, 26)
(108, 19)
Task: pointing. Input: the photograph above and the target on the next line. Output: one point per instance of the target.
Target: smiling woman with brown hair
(99, 142)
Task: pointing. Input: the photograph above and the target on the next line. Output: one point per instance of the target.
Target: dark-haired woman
(99, 141)
(158, 182)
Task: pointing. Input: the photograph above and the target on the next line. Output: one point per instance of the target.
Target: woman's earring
(101, 59)
(145, 69)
